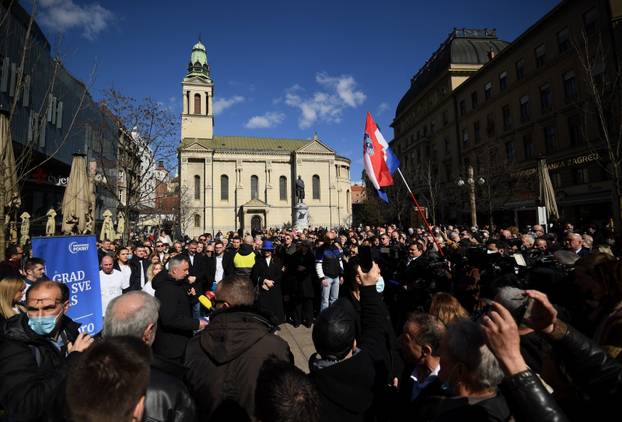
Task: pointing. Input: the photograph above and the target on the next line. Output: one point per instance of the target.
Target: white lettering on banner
(69, 277)
(75, 247)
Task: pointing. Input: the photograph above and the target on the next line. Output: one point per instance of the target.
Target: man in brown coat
(224, 361)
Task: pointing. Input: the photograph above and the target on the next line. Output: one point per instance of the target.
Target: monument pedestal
(301, 216)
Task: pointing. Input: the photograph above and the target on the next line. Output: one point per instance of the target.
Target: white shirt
(220, 271)
(148, 288)
(126, 270)
(419, 386)
(111, 286)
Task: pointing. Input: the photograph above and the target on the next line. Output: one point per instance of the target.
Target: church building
(249, 183)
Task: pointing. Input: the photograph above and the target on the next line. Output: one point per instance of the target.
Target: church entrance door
(256, 224)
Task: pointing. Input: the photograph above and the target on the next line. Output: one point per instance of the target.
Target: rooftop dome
(198, 62)
(463, 46)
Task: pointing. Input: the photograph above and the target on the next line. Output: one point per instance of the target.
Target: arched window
(254, 187)
(197, 220)
(283, 188)
(224, 187)
(197, 103)
(197, 187)
(316, 186)
(347, 199)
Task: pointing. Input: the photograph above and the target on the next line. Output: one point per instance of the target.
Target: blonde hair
(150, 269)
(8, 288)
(447, 308)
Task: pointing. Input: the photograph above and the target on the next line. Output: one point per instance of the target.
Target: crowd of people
(450, 323)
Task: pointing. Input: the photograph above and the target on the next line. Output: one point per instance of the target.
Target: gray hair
(175, 262)
(133, 321)
(466, 345)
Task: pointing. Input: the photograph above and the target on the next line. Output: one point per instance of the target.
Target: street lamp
(470, 183)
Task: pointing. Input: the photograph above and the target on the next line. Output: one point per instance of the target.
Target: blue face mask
(129, 256)
(380, 285)
(42, 325)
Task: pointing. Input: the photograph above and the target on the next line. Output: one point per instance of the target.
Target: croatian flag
(380, 162)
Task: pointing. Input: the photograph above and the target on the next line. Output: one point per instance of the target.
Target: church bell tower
(197, 118)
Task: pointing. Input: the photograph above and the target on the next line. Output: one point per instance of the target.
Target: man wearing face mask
(35, 350)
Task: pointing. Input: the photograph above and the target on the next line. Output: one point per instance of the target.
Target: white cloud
(62, 15)
(337, 94)
(221, 104)
(268, 120)
(382, 108)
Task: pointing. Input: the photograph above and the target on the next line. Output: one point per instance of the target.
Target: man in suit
(227, 261)
(420, 342)
(139, 266)
(198, 265)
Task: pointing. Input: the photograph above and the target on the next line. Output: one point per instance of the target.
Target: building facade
(533, 101)
(248, 183)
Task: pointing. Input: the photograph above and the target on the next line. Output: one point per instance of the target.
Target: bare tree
(602, 103)
(30, 71)
(147, 135)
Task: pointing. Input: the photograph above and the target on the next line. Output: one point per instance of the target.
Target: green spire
(198, 62)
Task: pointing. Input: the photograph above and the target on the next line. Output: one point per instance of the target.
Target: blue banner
(72, 260)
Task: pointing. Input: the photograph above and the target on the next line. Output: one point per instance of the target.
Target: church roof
(247, 143)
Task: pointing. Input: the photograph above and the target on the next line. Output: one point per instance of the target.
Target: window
(224, 187)
(581, 176)
(524, 108)
(488, 90)
(283, 188)
(197, 187)
(476, 131)
(563, 40)
(510, 152)
(254, 187)
(589, 20)
(574, 130)
(503, 81)
(316, 186)
(462, 107)
(546, 99)
(474, 100)
(520, 69)
(570, 85)
(528, 147)
(465, 136)
(197, 103)
(540, 53)
(507, 117)
(490, 125)
(556, 179)
(197, 220)
(549, 139)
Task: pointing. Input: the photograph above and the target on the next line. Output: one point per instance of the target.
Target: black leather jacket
(168, 399)
(596, 375)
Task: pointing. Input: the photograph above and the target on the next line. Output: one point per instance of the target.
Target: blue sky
(281, 68)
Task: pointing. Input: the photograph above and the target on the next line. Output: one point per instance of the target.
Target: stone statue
(300, 190)
(72, 224)
(88, 222)
(13, 232)
(107, 227)
(24, 228)
(120, 225)
(50, 226)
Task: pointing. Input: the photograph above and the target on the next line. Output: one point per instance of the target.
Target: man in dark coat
(197, 265)
(175, 324)
(343, 369)
(267, 274)
(35, 350)
(302, 266)
(224, 361)
(135, 314)
(139, 266)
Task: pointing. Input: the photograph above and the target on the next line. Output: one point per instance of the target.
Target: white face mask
(380, 284)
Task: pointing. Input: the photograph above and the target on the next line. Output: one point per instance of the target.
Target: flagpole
(425, 220)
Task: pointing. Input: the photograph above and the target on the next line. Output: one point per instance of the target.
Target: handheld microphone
(206, 300)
